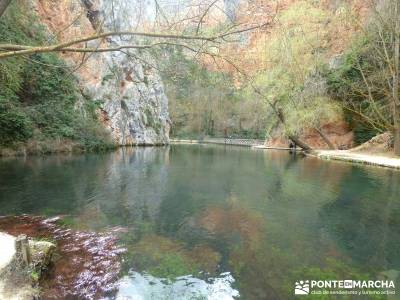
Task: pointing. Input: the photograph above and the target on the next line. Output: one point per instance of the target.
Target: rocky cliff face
(133, 104)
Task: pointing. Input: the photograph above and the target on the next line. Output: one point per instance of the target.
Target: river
(216, 222)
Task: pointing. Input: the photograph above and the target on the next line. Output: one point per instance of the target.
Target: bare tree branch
(16, 50)
(204, 15)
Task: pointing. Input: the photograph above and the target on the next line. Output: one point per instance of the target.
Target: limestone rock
(132, 103)
(134, 106)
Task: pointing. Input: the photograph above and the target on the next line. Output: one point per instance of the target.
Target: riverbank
(262, 147)
(221, 141)
(351, 156)
(378, 151)
(34, 147)
(357, 157)
(61, 147)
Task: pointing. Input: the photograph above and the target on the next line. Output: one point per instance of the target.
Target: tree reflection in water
(268, 218)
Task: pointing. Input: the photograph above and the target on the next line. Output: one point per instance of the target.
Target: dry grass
(34, 147)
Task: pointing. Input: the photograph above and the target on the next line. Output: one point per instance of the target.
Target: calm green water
(244, 223)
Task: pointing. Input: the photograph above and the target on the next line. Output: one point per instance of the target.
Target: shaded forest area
(40, 105)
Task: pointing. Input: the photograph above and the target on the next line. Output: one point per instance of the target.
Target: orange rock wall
(338, 133)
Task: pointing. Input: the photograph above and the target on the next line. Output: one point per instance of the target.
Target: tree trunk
(396, 100)
(299, 143)
(3, 6)
(396, 135)
(293, 138)
(325, 138)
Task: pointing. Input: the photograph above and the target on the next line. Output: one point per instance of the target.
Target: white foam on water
(144, 286)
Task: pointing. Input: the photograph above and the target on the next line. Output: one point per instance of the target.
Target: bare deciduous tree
(197, 41)
(375, 99)
(396, 77)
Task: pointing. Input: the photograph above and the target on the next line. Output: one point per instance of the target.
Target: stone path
(363, 158)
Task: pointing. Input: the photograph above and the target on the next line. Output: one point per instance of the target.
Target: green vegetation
(213, 103)
(204, 102)
(162, 257)
(316, 66)
(171, 266)
(40, 107)
(311, 87)
(362, 83)
(293, 83)
(290, 80)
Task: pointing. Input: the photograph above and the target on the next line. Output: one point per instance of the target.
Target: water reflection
(268, 218)
(368, 227)
(136, 286)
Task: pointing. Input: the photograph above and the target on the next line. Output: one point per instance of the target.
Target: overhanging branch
(11, 50)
